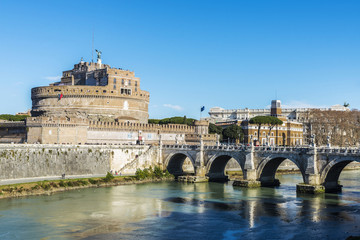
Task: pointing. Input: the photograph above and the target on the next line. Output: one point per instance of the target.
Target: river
(171, 210)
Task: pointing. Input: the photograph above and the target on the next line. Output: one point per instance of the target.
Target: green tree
(233, 132)
(273, 121)
(259, 121)
(154, 121)
(173, 120)
(265, 120)
(10, 117)
(216, 129)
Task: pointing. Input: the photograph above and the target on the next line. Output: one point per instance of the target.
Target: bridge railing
(285, 149)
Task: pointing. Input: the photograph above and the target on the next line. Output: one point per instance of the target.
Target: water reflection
(180, 210)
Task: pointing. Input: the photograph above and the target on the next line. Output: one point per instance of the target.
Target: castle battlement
(55, 122)
(83, 91)
(172, 128)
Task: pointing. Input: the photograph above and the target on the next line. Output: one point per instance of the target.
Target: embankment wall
(35, 160)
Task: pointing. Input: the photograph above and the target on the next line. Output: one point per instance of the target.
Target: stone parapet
(119, 126)
(82, 91)
(208, 139)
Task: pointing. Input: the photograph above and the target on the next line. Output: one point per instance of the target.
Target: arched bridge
(319, 166)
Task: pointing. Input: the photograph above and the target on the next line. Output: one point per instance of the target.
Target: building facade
(290, 133)
(217, 114)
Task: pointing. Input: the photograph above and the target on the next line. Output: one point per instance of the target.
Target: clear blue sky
(189, 53)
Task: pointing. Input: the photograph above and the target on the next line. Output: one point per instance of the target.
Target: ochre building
(290, 133)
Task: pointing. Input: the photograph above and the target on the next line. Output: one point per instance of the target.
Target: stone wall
(131, 136)
(41, 160)
(128, 160)
(12, 132)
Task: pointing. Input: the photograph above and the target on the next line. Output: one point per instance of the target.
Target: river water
(186, 211)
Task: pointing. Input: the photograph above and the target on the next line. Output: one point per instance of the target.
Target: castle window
(97, 90)
(114, 80)
(129, 82)
(104, 91)
(135, 83)
(122, 81)
(126, 91)
(115, 72)
(135, 89)
(114, 87)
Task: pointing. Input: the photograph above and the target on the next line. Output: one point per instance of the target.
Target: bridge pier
(199, 176)
(200, 171)
(312, 185)
(308, 188)
(249, 179)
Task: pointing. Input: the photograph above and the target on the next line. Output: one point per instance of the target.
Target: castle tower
(201, 127)
(275, 108)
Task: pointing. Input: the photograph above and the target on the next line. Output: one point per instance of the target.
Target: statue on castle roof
(98, 54)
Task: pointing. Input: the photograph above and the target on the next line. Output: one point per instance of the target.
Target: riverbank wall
(35, 160)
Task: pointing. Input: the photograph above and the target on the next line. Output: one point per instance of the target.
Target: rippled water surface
(186, 211)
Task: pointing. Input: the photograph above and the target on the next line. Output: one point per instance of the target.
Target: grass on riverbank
(50, 186)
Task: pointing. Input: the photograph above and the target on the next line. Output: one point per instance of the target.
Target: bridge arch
(175, 161)
(215, 168)
(267, 168)
(330, 174)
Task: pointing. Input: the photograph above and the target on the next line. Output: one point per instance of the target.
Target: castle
(97, 104)
(93, 91)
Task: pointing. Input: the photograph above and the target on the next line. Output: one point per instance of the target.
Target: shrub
(157, 172)
(83, 182)
(70, 184)
(139, 174)
(46, 186)
(167, 174)
(75, 183)
(53, 184)
(93, 181)
(62, 183)
(147, 173)
(109, 177)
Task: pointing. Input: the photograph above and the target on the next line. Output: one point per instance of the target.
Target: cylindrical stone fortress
(93, 91)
